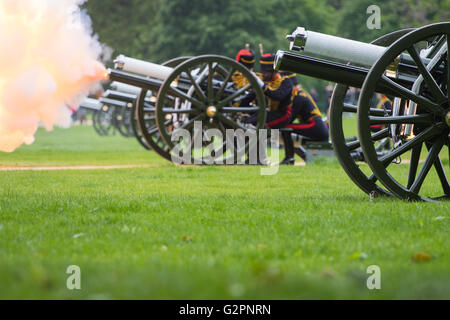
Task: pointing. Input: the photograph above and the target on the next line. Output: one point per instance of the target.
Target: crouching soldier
(309, 125)
(278, 91)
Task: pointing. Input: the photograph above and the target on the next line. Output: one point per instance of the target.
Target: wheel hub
(211, 111)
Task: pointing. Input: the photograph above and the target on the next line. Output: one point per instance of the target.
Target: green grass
(170, 232)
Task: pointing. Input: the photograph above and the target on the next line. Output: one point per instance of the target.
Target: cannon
(101, 119)
(411, 68)
(110, 113)
(130, 95)
(185, 91)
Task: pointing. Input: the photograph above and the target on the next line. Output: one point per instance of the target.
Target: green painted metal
(145, 124)
(432, 100)
(345, 150)
(214, 109)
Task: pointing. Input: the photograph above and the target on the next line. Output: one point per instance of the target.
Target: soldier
(293, 77)
(246, 57)
(278, 91)
(310, 123)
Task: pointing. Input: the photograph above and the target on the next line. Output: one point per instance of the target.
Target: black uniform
(278, 93)
(310, 123)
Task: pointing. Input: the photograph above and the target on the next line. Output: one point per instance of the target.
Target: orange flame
(48, 61)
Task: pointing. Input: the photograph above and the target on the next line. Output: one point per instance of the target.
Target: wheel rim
(430, 128)
(145, 114)
(105, 120)
(123, 118)
(135, 128)
(342, 148)
(201, 101)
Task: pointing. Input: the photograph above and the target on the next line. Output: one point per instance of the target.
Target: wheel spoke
(415, 157)
(448, 68)
(234, 96)
(427, 134)
(240, 109)
(190, 122)
(409, 95)
(375, 137)
(178, 111)
(224, 84)
(429, 80)
(429, 161)
(210, 83)
(222, 128)
(182, 95)
(442, 176)
(230, 122)
(414, 119)
(197, 88)
(152, 131)
(373, 112)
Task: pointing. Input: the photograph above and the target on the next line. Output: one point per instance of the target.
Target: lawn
(168, 232)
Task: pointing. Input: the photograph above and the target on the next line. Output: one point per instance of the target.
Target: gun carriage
(185, 91)
(408, 66)
(101, 122)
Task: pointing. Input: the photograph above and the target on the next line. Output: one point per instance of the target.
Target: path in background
(74, 168)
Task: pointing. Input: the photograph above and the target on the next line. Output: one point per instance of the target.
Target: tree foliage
(158, 30)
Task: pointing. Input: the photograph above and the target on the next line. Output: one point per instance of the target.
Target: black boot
(300, 151)
(288, 148)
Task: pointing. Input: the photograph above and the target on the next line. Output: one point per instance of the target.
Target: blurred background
(158, 30)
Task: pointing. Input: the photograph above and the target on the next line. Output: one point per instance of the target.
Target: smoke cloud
(49, 61)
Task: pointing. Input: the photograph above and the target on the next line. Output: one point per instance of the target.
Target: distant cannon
(100, 119)
(189, 90)
(411, 67)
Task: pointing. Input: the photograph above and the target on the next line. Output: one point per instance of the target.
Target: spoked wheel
(123, 120)
(145, 124)
(201, 91)
(420, 127)
(348, 150)
(104, 120)
(95, 124)
(135, 127)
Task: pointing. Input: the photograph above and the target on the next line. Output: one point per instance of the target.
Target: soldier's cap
(246, 57)
(267, 62)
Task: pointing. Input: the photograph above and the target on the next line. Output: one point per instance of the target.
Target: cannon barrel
(121, 96)
(91, 104)
(142, 82)
(132, 81)
(329, 71)
(148, 69)
(135, 80)
(351, 51)
(113, 102)
(125, 88)
(335, 47)
(319, 68)
(343, 49)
